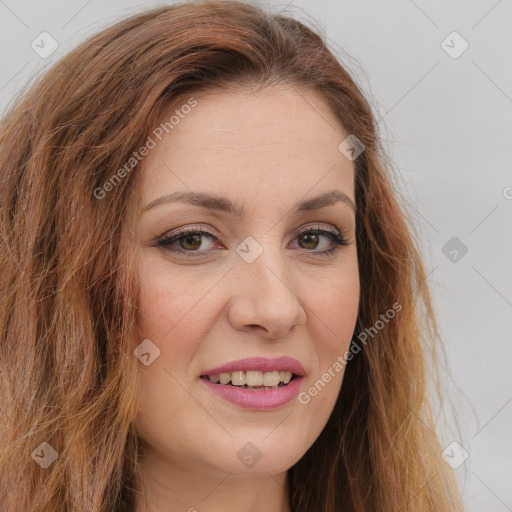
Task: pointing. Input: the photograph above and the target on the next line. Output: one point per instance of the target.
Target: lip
(260, 364)
(256, 399)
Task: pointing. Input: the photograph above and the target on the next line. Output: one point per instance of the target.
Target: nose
(265, 300)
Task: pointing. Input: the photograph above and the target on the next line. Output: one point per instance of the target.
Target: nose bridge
(265, 262)
(266, 294)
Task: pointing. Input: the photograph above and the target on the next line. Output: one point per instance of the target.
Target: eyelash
(166, 240)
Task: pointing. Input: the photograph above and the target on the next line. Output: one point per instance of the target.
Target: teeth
(268, 380)
(285, 376)
(254, 378)
(238, 378)
(271, 379)
(224, 378)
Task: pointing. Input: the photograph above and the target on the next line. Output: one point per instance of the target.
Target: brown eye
(311, 240)
(187, 242)
(191, 242)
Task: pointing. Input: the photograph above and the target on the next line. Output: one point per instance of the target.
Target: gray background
(447, 125)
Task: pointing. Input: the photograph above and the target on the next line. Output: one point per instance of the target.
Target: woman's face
(259, 285)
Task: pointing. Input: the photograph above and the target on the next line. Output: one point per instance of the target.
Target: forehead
(278, 139)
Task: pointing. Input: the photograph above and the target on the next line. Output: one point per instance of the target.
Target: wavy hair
(68, 376)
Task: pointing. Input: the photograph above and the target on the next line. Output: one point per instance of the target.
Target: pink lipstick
(256, 383)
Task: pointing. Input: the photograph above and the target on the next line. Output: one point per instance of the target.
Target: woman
(211, 296)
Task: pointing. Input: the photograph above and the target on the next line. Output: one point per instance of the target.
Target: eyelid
(317, 225)
(168, 233)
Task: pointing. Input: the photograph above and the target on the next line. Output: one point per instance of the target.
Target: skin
(266, 150)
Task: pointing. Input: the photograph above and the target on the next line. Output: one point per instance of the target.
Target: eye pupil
(312, 237)
(187, 238)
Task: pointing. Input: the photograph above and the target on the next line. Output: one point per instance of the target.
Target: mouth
(253, 380)
(257, 383)
(256, 398)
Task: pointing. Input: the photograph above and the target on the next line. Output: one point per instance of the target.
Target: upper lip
(260, 364)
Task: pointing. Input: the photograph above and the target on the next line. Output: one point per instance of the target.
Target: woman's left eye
(189, 241)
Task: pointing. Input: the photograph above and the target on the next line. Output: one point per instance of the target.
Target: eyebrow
(220, 203)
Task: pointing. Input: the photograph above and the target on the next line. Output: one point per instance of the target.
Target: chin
(259, 454)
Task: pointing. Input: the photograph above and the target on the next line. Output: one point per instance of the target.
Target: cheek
(171, 307)
(334, 310)
(171, 315)
(333, 317)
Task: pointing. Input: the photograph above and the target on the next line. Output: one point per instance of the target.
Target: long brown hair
(68, 376)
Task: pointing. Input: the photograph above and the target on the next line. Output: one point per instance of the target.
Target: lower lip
(259, 399)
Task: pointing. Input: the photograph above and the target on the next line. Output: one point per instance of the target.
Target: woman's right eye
(189, 241)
